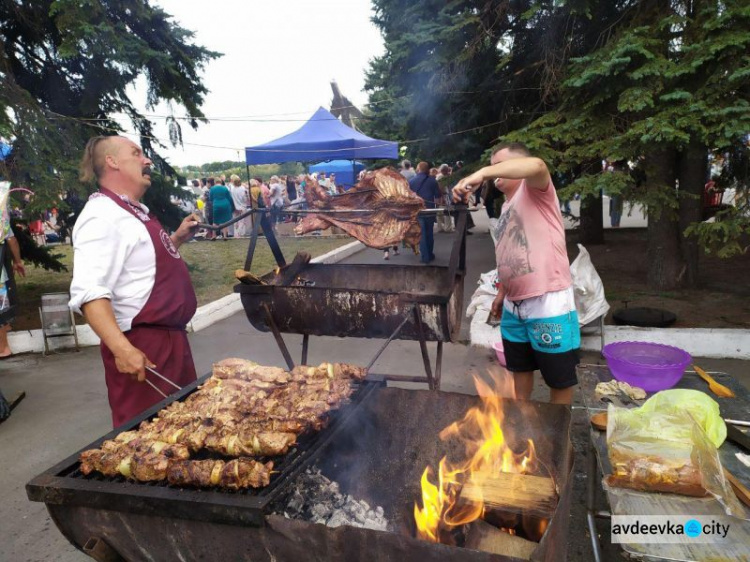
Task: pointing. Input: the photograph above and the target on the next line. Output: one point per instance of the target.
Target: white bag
(588, 288)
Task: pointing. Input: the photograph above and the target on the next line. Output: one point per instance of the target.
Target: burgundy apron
(158, 330)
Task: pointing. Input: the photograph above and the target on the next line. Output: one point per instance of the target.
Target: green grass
(211, 264)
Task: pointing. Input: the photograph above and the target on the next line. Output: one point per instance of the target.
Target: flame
(486, 453)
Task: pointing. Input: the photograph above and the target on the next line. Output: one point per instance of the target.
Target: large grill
(375, 448)
(415, 302)
(66, 484)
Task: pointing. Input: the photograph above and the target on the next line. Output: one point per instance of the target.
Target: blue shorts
(542, 333)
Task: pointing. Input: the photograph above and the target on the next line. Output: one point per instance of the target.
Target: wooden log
(483, 536)
(514, 493)
(288, 274)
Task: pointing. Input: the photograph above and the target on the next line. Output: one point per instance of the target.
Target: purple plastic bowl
(651, 366)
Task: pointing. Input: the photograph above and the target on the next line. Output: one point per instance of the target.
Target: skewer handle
(152, 385)
(162, 377)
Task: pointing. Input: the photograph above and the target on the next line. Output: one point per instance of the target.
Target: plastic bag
(588, 288)
(485, 293)
(665, 446)
(703, 409)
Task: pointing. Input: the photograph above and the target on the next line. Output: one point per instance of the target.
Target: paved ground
(66, 406)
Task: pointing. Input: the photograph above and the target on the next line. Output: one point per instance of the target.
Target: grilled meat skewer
(235, 474)
(243, 410)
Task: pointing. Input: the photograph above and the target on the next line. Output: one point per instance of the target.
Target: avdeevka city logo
(669, 529)
(693, 528)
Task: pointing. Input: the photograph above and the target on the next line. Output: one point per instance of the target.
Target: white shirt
(277, 194)
(114, 258)
(239, 196)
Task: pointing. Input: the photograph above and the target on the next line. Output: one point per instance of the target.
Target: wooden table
(630, 502)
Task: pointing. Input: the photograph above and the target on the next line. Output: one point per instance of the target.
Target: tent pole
(249, 194)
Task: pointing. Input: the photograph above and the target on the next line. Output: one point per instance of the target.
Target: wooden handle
(702, 374)
(740, 491)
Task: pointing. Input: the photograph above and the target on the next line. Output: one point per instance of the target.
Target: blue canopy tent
(323, 137)
(346, 170)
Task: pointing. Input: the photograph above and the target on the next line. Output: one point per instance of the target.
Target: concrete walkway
(66, 405)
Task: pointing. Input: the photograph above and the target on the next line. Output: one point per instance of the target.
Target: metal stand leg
(279, 339)
(389, 340)
(439, 365)
(591, 484)
(305, 343)
(44, 334)
(271, 240)
(423, 349)
(253, 243)
(75, 332)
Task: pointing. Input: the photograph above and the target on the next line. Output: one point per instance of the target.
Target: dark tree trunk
(666, 266)
(592, 222)
(693, 167)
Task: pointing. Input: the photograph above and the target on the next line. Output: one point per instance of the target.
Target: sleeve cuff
(95, 293)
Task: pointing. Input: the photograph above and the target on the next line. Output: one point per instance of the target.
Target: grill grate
(65, 484)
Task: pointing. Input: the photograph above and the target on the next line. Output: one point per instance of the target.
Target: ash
(318, 499)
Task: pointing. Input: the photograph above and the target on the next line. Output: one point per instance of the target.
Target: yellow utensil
(718, 389)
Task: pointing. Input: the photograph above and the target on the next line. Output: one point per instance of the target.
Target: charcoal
(319, 500)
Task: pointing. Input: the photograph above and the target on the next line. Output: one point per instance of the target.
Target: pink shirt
(531, 256)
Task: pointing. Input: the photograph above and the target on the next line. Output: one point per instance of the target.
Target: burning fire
(487, 453)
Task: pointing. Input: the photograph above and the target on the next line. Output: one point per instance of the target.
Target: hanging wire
(85, 122)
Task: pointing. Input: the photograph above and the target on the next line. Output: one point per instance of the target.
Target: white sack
(588, 288)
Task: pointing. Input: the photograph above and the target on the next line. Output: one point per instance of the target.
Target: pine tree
(668, 88)
(65, 67)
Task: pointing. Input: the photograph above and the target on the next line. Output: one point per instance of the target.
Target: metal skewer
(165, 379)
(292, 211)
(152, 385)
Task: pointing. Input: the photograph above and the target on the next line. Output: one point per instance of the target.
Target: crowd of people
(220, 200)
(49, 226)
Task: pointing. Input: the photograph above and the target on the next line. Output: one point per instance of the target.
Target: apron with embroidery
(158, 330)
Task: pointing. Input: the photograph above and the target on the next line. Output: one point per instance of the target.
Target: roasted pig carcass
(389, 208)
(235, 474)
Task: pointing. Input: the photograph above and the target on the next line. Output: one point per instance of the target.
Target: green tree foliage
(667, 89)
(456, 75)
(229, 167)
(659, 84)
(65, 67)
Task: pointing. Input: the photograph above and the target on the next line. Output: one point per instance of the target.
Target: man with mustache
(129, 279)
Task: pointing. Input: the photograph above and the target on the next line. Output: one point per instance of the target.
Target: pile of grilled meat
(244, 412)
(380, 211)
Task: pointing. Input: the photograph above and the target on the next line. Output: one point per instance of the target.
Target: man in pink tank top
(539, 321)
